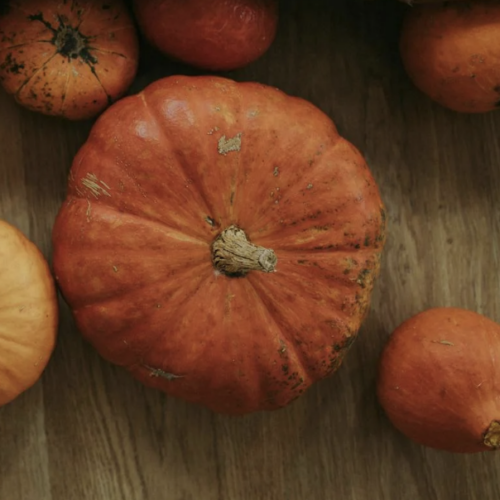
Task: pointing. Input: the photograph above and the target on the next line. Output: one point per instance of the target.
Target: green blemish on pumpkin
(362, 278)
(285, 369)
(300, 382)
(367, 241)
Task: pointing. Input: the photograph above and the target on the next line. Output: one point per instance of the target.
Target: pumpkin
(214, 35)
(220, 241)
(439, 380)
(451, 52)
(67, 59)
(28, 313)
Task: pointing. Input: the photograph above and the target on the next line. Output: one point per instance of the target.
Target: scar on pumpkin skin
(227, 145)
(158, 372)
(91, 182)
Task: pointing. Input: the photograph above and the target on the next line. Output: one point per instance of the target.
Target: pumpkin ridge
(140, 356)
(65, 93)
(180, 160)
(113, 295)
(24, 44)
(41, 68)
(315, 214)
(94, 72)
(111, 52)
(124, 333)
(143, 217)
(108, 164)
(289, 342)
(338, 329)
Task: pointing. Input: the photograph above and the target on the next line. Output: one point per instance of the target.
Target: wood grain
(88, 431)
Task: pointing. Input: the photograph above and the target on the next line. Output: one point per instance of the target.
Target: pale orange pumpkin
(28, 313)
(68, 59)
(220, 240)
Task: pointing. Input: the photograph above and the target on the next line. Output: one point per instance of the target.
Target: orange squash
(220, 241)
(209, 34)
(451, 52)
(28, 313)
(439, 380)
(67, 58)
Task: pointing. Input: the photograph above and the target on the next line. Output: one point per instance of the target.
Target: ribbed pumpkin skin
(161, 175)
(451, 52)
(67, 58)
(28, 313)
(210, 34)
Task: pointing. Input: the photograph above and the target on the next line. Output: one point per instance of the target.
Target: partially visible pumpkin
(219, 240)
(68, 59)
(209, 34)
(28, 313)
(451, 52)
(414, 2)
(439, 380)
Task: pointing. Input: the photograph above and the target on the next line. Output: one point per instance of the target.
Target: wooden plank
(87, 430)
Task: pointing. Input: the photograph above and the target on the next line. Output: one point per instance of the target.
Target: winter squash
(451, 52)
(28, 313)
(67, 59)
(214, 34)
(220, 241)
(439, 380)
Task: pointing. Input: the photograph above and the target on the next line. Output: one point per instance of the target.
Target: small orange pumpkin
(68, 59)
(209, 34)
(451, 52)
(439, 380)
(220, 240)
(28, 313)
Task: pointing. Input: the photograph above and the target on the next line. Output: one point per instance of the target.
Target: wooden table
(88, 431)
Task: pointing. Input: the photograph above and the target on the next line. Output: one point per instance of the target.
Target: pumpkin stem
(235, 256)
(492, 435)
(69, 42)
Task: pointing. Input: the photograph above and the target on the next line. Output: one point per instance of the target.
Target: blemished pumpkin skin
(67, 58)
(28, 313)
(216, 35)
(439, 380)
(451, 52)
(139, 256)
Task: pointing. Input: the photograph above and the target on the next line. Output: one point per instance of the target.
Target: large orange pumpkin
(451, 52)
(67, 58)
(28, 313)
(439, 380)
(209, 34)
(220, 240)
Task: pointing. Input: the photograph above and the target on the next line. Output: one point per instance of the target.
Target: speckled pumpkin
(451, 51)
(209, 34)
(68, 58)
(219, 240)
(28, 313)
